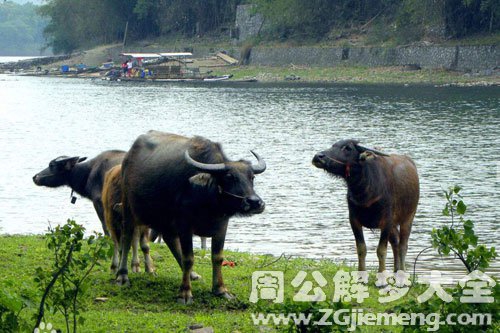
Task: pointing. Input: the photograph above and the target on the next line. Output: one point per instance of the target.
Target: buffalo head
(231, 183)
(58, 171)
(344, 155)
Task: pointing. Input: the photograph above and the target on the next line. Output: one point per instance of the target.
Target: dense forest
(75, 24)
(21, 29)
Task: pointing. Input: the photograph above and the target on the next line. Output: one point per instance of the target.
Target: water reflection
(452, 134)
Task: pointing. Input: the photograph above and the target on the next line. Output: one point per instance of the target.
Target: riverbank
(358, 74)
(339, 73)
(399, 75)
(149, 304)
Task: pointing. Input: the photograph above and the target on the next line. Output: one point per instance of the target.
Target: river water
(453, 134)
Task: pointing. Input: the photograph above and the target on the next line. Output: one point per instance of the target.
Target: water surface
(453, 134)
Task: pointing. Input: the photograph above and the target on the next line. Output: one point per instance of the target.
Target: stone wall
(248, 24)
(461, 58)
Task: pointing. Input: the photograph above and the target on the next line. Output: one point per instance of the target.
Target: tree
(20, 29)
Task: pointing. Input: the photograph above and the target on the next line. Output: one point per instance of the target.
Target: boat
(218, 78)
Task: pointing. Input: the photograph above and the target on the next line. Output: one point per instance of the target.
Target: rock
(292, 77)
(198, 328)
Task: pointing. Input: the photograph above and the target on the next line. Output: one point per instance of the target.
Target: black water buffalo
(183, 186)
(86, 179)
(382, 192)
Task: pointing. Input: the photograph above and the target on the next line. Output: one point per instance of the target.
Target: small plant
(11, 306)
(459, 237)
(74, 260)
(450, 310)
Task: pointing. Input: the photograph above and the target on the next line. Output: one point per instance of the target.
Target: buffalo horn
(203, 166)
(261, 166)
(64, 159)
(362, 149)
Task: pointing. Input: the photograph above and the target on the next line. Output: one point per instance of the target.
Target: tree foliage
(20, 29)
(403, 20)
(75, 24)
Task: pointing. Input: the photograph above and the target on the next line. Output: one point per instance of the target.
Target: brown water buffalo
(182, 186)
(382, 192)
(86, 179)
(113, 216)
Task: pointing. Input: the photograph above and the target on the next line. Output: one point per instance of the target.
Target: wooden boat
(218, 78)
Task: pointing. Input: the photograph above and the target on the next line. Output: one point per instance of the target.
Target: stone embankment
(32, 63)
(476, 59)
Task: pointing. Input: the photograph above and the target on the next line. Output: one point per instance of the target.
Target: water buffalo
(113, 216)
(183, 186)
(86, 179)
(382, 192)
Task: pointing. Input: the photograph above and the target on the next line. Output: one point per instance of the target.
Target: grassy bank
(367, 75)
(149, 304)
(292, 73)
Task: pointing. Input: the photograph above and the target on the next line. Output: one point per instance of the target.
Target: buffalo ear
(202, 180)
(203, 187)
(367, 155)
(81, 159)
(71, 162)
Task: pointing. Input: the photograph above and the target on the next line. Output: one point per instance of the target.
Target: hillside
(21, 29)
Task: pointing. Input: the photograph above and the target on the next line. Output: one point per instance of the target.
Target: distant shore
(403, 75)
(362, 75)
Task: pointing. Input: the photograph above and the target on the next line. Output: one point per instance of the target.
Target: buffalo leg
(404, 235)
(394, 240)
(185, 294)
(148, 262)
(116, 255)
(100, 213)
(126, 243)
(218, 287)
(116, 237)
(135, 245)
(174, 245)
(357, 230)
(203, 243)
(382, 247)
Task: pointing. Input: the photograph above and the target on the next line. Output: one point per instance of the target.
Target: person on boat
(124, 68)
(130, 64)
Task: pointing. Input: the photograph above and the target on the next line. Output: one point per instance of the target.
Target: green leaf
(461, 207)
(446, 211)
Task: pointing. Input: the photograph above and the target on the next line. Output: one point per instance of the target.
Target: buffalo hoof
(136, 268)
(223, 294)
(226, 295)
(122, 280)
(194, 276)
(185, 301)
(185, 298)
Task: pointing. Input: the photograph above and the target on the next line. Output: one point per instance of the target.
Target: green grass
(149, 304)
(348, 74)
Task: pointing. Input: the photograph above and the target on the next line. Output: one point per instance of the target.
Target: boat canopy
(176, 54)
(158, 55)
(142, 55)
